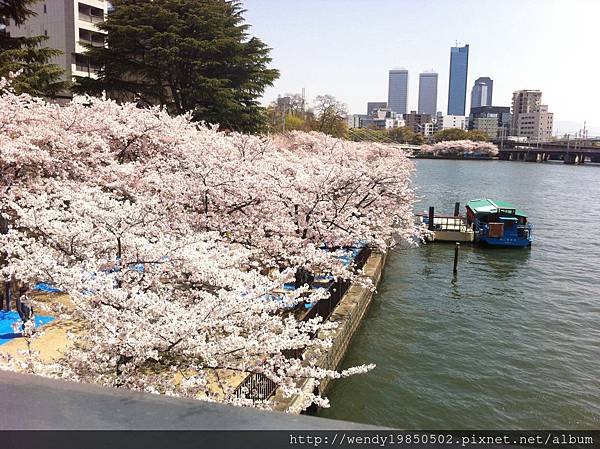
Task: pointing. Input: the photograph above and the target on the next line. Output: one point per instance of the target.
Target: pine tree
(27, 54)
(186, 55)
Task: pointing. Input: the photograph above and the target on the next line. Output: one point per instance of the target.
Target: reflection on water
(513, 340)
(506, 262)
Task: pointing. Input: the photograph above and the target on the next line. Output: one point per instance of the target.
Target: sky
(346, 47)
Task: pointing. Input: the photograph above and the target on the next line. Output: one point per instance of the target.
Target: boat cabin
(498, 223)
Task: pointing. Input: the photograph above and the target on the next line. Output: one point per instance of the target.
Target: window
(45, 9)
(83, 64)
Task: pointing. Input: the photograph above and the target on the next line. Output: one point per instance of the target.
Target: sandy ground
(54, 342)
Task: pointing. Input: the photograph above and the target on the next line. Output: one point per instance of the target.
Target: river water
(514, 341)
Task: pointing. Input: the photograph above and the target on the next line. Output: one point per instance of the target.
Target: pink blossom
(172, 238)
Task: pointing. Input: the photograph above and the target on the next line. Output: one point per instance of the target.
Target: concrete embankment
(348, 314)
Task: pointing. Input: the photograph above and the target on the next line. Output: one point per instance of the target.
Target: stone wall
(348, 314)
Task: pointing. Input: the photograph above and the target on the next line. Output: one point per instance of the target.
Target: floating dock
(447, 228)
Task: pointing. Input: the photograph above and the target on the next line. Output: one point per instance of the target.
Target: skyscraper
(428, 82)
(398, 91)
(457, 88)
(481, 94)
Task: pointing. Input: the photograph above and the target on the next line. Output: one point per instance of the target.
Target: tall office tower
(457, 87)
(481, 94)
(428, 82)
(68, 24)
(398, 91)
(530, 117)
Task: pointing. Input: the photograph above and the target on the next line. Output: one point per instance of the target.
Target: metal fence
(256, 386)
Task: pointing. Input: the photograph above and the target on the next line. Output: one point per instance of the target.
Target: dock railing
(446, 222)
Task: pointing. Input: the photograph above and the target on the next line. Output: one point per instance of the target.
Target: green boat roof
(487, 206)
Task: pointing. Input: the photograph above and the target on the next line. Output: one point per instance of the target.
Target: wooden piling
(431, 216)
(456, 209)
(455, 270)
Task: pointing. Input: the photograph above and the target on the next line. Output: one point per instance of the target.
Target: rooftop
(488, 206)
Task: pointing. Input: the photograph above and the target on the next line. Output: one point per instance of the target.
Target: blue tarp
(43, 287)
(345, 255)
(8, 318)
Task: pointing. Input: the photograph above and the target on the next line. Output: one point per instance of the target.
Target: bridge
(568, 151)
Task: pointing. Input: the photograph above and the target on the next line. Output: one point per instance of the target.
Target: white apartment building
(353, 120)
(531, 119)
(427, 129)
(451, 121)
(68, 24)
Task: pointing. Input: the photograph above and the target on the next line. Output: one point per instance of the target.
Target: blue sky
(346, 47)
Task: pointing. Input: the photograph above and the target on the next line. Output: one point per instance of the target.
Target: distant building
(428, 82)
(426, 129)
(451, 121)
(68, 24)
(530, 118)
(419, 123)
(457, 87)
(487, 125)
(481, 94)
(398, 91)
(495, 121)
(283, 102)
(379, 119)
(372, 105)
(353, 120)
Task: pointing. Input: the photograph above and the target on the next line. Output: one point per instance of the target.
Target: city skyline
(317, 52)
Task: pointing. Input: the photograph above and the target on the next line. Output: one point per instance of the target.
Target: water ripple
(514, 342)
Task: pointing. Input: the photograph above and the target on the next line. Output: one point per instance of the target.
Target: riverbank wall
(348, 314)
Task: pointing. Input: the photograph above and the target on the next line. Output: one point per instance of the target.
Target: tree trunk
(5, 292)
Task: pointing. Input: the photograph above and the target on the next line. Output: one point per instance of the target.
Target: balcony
(90, 18)
(91, 38)
(82, 64)
(90, 14)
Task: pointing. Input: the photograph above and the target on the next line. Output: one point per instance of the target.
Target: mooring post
(431, 215)
(456, 209)
(455, 270)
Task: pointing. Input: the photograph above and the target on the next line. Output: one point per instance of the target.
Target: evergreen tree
(26, 54)
(187, 55)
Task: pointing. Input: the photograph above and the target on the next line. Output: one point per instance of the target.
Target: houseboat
(498, 223)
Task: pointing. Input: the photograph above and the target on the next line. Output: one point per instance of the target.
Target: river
(514, 341)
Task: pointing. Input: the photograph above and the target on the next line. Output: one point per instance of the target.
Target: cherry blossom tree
(172, 238)
(460, 148)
